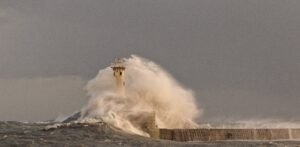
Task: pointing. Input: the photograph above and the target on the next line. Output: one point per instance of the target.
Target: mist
(148, 90)
(40, 99)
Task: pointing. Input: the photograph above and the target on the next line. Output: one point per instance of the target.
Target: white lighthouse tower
(119, 71)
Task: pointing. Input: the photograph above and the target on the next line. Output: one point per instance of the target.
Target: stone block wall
(295, 133)
(228, 134)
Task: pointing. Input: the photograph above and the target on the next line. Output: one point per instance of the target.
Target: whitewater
(149, 89)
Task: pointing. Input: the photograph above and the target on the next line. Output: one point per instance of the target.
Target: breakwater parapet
(228, 134)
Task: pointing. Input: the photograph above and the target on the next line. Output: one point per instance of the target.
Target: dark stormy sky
(241, 57)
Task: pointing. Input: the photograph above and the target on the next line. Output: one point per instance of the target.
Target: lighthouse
(118, 73)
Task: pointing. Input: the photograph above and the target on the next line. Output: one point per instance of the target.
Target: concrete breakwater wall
(228, 134)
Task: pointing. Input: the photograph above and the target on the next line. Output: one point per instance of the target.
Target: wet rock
(74, 117)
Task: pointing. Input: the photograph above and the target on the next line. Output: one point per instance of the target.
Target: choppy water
(97, 134)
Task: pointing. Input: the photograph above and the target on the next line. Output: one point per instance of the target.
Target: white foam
(149, 88)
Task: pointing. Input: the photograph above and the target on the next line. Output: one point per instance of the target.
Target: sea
(100, 134)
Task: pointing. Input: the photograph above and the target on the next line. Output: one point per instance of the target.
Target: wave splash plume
(149, 89)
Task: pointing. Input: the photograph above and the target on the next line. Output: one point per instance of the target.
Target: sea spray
(148, 89)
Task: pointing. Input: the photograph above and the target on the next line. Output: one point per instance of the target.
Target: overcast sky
(241, 57)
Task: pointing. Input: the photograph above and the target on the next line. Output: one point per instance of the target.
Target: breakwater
(228, 134)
